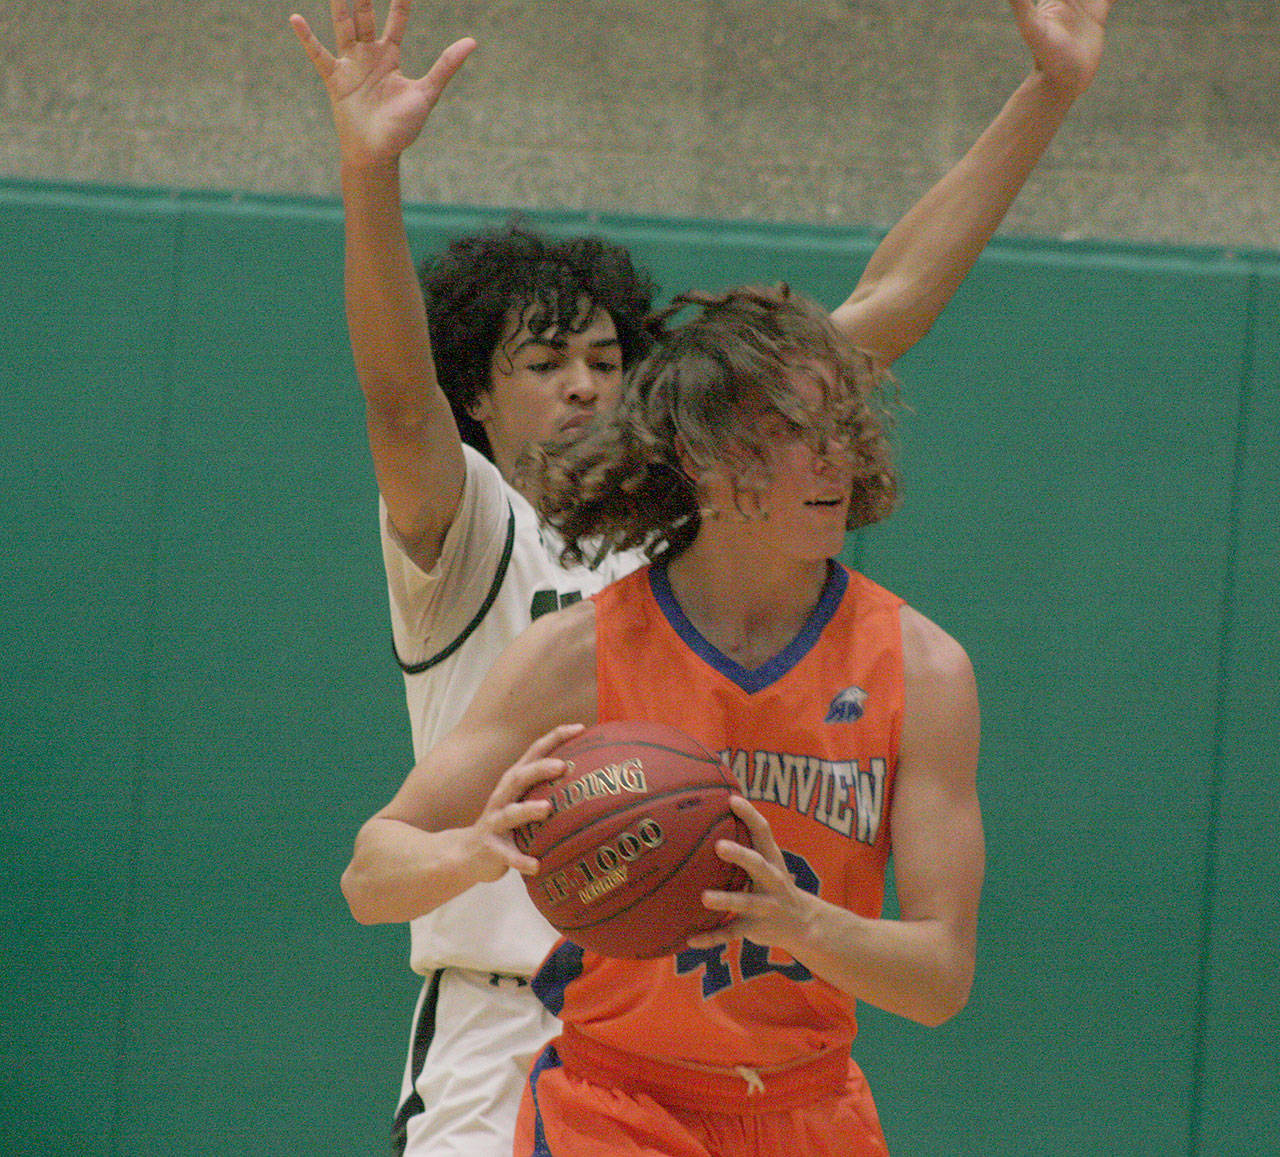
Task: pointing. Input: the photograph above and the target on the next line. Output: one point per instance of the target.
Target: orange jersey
(812, 738)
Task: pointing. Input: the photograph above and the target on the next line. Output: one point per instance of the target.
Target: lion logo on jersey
(847, 707)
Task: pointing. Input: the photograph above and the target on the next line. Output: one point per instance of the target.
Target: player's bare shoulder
(940, 731)
(553, 663)
(938, 676)
(930, 656)
(566, 641)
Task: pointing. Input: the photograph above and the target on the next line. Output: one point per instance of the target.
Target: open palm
(378, 111)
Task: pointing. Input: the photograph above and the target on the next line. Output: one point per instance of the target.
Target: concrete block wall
(825, 112)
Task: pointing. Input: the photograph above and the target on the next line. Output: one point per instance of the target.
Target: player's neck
(517, 474)
(747, 612)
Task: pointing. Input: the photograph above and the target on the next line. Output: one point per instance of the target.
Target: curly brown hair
(479, 281)
(701, 389)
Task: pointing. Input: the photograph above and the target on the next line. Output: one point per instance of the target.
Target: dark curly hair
(622, 485)
(473, 286)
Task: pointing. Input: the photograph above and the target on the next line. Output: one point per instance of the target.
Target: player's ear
(708, 489)
(688, 467)
(480, 408)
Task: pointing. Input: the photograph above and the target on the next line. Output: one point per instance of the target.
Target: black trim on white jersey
(504, 563)
(424, 1032)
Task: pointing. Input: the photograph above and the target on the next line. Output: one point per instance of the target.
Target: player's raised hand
(1065, 38)
(377, 110)
(774, 911)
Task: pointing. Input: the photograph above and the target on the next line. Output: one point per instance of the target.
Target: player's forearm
(921, 262)
(399, 872)
(386, 316)
(916, 969)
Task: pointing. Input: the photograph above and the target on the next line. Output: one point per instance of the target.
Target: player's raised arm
(378, 112)
(927, 254)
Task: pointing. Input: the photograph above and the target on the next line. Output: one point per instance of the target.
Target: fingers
(1024, 12)
(761, 833)
(354, 26)
(743, 913)
(538, 763)
(766, 875)
(510, 855)
(508, 811)
(494, 841)
(344, 33)
(523, 775)
(366, 27)
(320, 56)
(447, 63)
(503, 827)
(762, 861)
(397, 21)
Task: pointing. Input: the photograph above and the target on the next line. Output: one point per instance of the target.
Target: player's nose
(579, 384)
(829, 453)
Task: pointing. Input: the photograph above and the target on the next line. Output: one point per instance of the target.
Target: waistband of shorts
(729, 1090)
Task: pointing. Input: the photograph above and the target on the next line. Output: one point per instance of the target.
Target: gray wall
(835, 112)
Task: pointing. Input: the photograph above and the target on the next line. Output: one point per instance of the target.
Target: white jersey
(498, 570)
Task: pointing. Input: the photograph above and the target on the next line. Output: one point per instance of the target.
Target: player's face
(803, 502)
(549, 385)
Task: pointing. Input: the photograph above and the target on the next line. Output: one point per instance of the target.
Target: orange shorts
(586, 1100)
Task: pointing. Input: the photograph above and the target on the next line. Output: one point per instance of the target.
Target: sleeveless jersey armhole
(499, 576)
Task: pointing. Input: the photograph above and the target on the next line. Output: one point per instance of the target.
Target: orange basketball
(630, 844)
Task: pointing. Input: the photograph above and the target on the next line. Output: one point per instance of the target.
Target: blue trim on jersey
(751, 681)
(547, 1059)
(561, 968)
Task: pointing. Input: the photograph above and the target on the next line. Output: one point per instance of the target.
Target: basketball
(629, 846)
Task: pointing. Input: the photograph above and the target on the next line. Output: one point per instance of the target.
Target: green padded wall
(201, 705)
(201, 709)
(1240, 1089)
(87, 297)
(1068, 513)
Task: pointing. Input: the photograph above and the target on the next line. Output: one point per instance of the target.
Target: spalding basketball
(629, 845)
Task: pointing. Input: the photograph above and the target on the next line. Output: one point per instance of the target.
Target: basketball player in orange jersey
(741, 451)
(467, 563)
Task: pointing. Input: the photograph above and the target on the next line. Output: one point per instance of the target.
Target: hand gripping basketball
(627, 846)
(774, 910)
(511, 806)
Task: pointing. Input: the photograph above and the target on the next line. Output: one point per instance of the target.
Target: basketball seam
(613, 741)
(624, 809)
